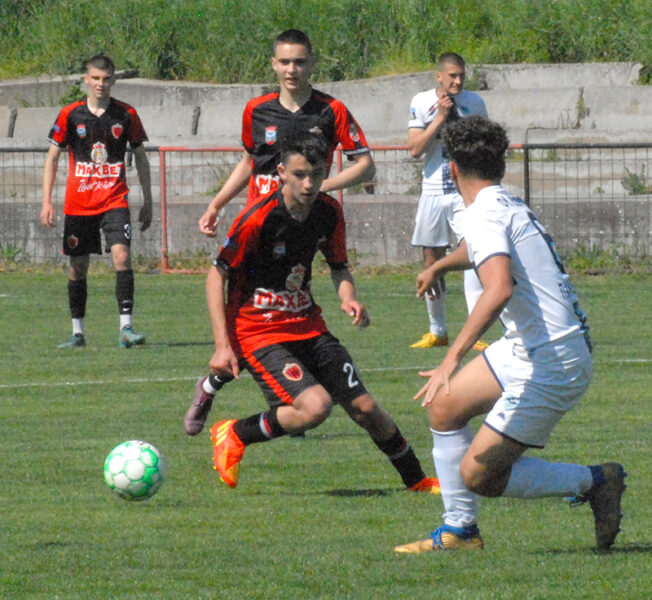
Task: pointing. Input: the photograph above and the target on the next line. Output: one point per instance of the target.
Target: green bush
(229, 41)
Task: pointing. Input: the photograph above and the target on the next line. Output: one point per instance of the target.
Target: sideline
(9, 386)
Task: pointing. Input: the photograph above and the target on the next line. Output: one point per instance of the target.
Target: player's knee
(316, 408)
(443, 418)
(480, 481)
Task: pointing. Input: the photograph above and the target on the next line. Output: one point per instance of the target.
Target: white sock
(208, 388)
(537, 478)
(78, 326)
(472, 288)
(125, 320)
(437, 313)
(449, 448)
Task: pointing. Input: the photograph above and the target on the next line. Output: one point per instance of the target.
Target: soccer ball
(134, 470)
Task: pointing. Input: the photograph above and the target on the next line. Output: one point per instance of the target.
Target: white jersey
(544, 305)
(423, 108)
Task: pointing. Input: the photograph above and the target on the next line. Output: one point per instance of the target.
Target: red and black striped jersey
(266, 123)
(97, 146)
(268, 257)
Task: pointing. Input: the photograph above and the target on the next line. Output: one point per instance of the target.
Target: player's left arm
(458, 260)
(345, 288)
(495, 275)
(362, 169)
(145, 179)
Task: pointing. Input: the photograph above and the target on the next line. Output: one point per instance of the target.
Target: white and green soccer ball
(134, 470)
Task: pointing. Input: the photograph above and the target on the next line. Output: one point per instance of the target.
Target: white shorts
(436, 215)
(539, 386)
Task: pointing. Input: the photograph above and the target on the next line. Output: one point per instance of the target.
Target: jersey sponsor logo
(293, 372)
(285, 301)
(278, 251)
(102, 171)
(116, 130)
(353, 132)
(316, 130)
(99, 153)
(270, 135)
(81, 131)
(265, 183)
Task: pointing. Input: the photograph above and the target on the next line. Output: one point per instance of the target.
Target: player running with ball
(526, 381)
(272, 326)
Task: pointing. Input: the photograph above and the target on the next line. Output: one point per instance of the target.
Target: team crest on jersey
(293, 372)
(72, 241)
(353, 132)
(270, 134)
(116, 130)
(99, 153)
(295, 278)
(278, 250)
(316, 130)
(81, 131)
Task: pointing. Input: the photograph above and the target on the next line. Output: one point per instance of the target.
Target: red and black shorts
(285, 370)
(81, 233)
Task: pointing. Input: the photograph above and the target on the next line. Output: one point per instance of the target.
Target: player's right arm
(224, 359)
(49, 175)
(237, 181)
(420, 137)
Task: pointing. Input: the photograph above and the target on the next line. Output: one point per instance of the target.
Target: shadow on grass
(344, 493)
(625, 549)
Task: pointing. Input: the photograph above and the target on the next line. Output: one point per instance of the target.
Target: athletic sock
(261, 427)
(124, 291)
(460, 504)
(537, 478)
(125, 321)
(214, 383)
(77, 294)
(437, 313)
(404, 460)
(78, 326)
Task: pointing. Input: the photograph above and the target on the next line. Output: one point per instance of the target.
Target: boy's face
(99, 82)
(451, 79)
(293, 65)
(301, 181)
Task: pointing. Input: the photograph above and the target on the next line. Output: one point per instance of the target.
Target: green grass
(228, 41)
(311, 518)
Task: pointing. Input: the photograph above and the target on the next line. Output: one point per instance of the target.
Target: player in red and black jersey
(272, 326)
(96, 131)
(295, 108)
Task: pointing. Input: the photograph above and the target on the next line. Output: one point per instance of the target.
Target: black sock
(403, 458)
(218, 381)
(77, 294)
(124, 291)
(261, 427)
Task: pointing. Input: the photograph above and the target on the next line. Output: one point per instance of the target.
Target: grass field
(311, 518)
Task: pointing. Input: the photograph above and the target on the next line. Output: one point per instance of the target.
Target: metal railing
(590, 196)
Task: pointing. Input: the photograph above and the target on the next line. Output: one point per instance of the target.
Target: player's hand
(444, 104)
(358, 312)
(47, 215)
(428, 283)
(145, 216)
(437, 378)
(208, 222)
(223, 361)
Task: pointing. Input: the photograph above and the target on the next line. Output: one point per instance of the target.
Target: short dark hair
(293, 36)
(100, 61)
(450, 57)
(477, 145)
(312, 146)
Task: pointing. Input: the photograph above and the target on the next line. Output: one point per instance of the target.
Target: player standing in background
(96, 132)
(440, 207)
(267, 120)
(272, 325)
(527, 380)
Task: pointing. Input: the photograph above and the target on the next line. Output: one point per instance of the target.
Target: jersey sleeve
(417, 120)
(348, 132)
(59, 131)
(137, 133)
(486, 235)
(242, 239)
(247, 128)
(334, 246)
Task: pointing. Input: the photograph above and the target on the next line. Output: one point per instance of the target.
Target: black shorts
(285, 370)
(81, 233)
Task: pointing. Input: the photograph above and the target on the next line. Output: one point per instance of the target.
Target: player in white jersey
(527, 380)
(440, 206)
